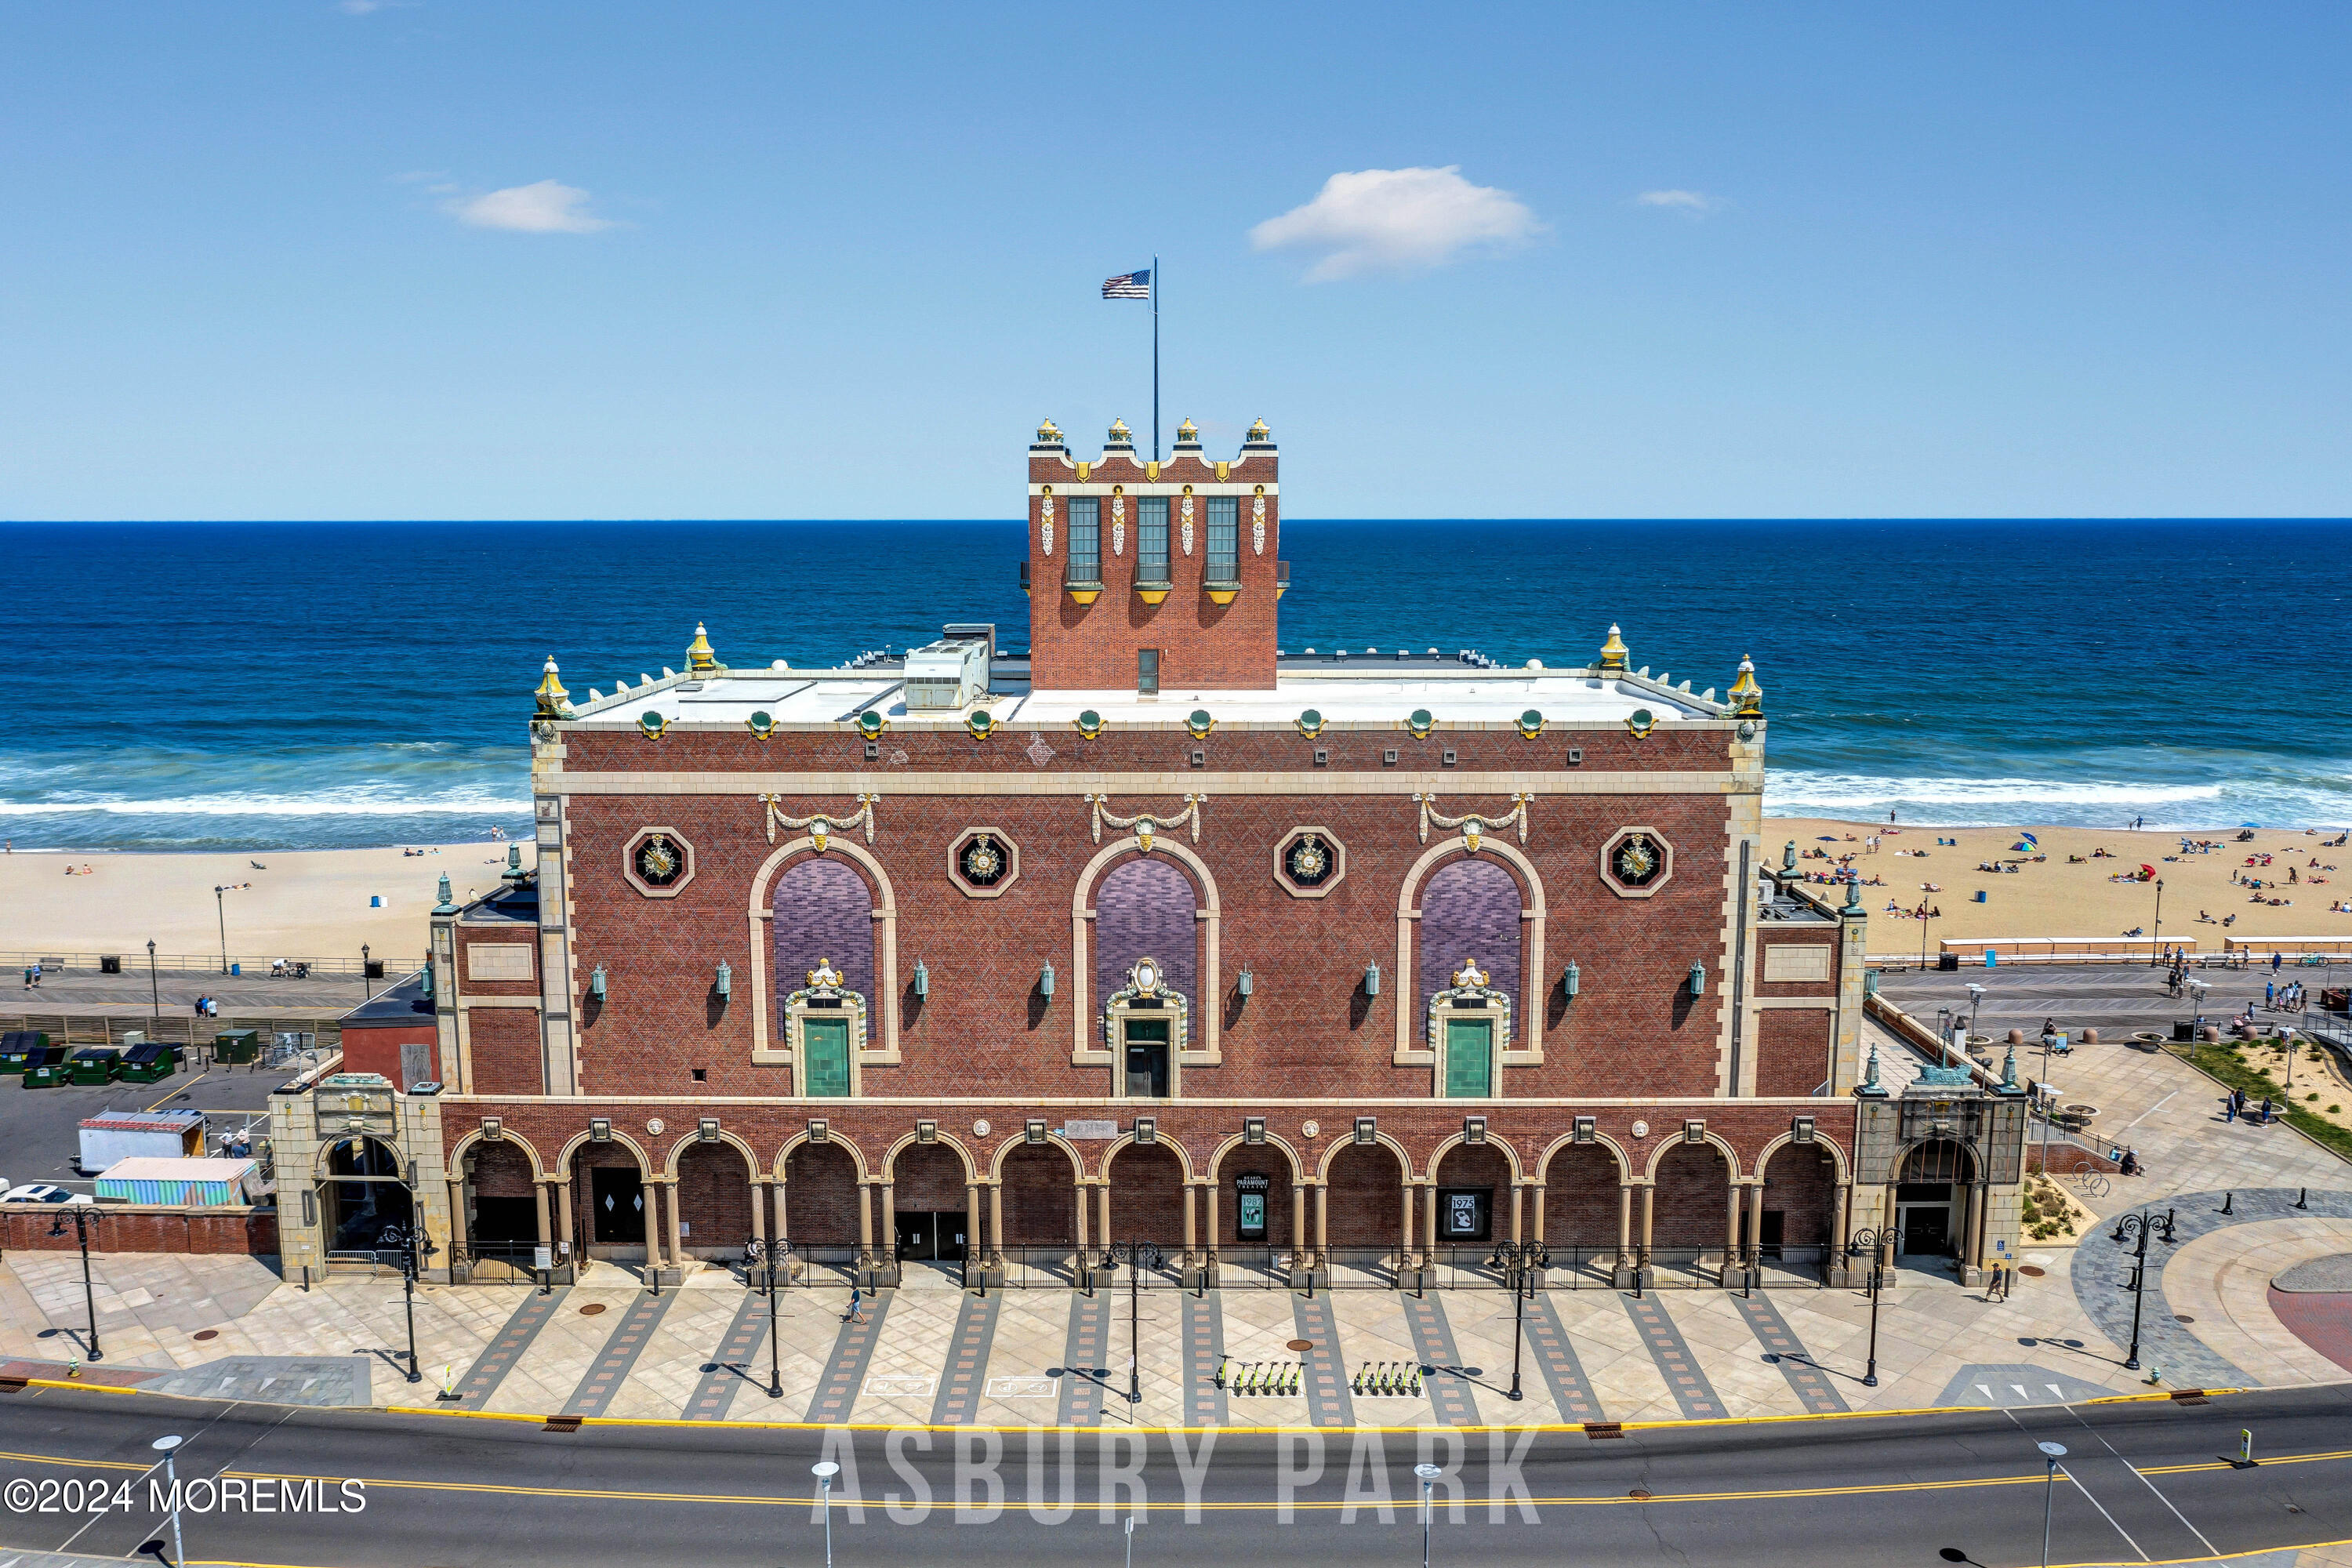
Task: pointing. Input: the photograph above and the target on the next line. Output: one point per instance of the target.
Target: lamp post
(220, 909)
(2051, 1454)
(1138, 1256)
(83, 1218)
(2141, 1226)
(154, 994)
(758, 1252)
(414, 1247)
(1428, 1475)
(824, 1470)
(2156, 938)
(1878, 1241)
(367, 992)
(1516, 1258)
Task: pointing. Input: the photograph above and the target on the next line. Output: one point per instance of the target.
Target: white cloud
(544, 207)
(1401, 220)
(1678, 201)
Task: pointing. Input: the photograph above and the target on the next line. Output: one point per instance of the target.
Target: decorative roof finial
(1789, 856)
(1258, 434)
(2009, 1072)
(551, 694)
(446, 905)
(1853, 895)
(1613, 653)
(1746, 696)
(1120, 436)
(1188, 434)
(514, 871)
(1047, 436)
(699, 659)
(1870, 1084)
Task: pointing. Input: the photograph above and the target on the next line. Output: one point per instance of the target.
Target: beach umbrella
(2027, 841)
(2146, 870)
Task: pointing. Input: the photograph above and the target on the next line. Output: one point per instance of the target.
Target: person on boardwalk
(2231, 1103)
(857, 1313)
(2266, 1120)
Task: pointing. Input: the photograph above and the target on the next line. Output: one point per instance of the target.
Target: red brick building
(1284, 960)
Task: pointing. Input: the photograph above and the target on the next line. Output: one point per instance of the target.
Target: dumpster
(236, 1046)
(44, 1067)
(146, 1062)
(15, 1045)
(98, 1064)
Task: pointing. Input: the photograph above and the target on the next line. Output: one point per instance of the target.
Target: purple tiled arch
(824, 909)
(1146, 908)
(1469, 909)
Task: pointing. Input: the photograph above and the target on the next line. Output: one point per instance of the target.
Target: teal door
(825, 1045)
(1469, 1059)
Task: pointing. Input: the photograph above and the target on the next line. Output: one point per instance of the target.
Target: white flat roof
(1366, 696)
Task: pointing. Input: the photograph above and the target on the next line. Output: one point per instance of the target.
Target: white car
(42, 1193)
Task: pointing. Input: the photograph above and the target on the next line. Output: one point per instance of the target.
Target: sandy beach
(280, 903)
(2059, 895)
(315, 903)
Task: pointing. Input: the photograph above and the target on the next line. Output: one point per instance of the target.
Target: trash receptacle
(2184, 1031)
(375, 969)
(110, 963)
(1947, 962)
(237, 968)
(237, 1047)
(1993, 959)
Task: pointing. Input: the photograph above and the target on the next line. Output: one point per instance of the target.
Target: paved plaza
(931, 1354)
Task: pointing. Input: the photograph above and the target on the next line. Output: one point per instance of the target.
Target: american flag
(1129, 285)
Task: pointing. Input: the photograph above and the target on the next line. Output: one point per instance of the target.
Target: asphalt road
(41, 1137)
(2148, 1482)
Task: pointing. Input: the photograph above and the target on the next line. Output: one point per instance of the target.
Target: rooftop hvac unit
(949, 674)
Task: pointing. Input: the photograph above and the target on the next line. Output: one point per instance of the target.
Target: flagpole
(1155, 359)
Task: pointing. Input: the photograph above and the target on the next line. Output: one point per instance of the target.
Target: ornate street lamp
(760, 1253)
(1138, 1256)
(83, 1218)
(1519, 1259)
(1877, 1242)
(2141, 1226)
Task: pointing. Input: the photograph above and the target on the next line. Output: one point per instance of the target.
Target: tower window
(1151, 538)
(1084, 560)
(1225, 539)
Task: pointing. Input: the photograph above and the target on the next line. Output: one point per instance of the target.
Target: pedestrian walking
(2230, 1104)
(2267, 1110)
(857, 1308)
(2275, 961)
(2269, 994)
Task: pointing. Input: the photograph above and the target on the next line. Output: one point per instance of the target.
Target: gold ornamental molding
(1475, 825)
(1146, 824)
(820, 826)
(1376, 781)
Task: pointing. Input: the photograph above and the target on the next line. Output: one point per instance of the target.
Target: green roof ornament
(446, 906)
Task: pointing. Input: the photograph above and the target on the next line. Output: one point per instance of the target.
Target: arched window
(1147, 907)
(824, 918)
(1469, 917)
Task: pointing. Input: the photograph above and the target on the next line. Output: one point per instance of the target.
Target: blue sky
(442, 261)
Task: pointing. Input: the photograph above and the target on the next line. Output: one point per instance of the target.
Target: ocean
(266, 685)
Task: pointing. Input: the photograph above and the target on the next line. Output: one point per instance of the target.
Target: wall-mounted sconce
(726, 981)
(1695, 1130)
(600, 1130)
(1372, 980)
(1572, 980)
(1045, 981)
(1252, 1129)
(1698, 980)
(596, 983)
(1247, 984)
(1147, 1130)
(427, 977)
(820, 1130)
(1586, 1130)
(1474, 1130)
(1034, 1131)
(1367, 1131)
(927, 1131)
(491, 1130)
(922, 978)
(1800, 1130)
(706, 1130)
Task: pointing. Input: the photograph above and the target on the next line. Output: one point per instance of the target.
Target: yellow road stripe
(2225, 1465)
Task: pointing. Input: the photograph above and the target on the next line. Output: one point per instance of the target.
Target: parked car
(43, 1192)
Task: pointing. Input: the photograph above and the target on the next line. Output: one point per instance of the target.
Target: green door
(1469, 1057)
(825, 1045)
